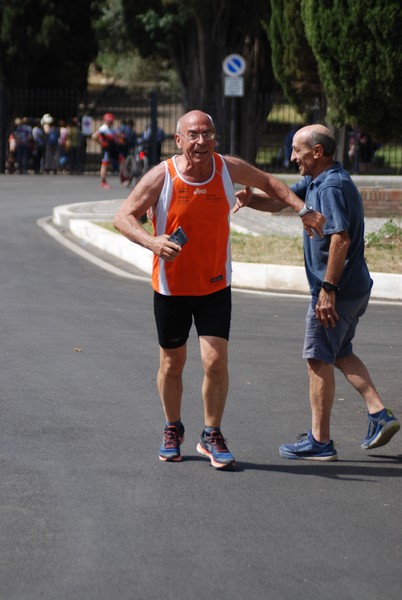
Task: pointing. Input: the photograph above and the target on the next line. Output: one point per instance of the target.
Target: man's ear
(318, 151)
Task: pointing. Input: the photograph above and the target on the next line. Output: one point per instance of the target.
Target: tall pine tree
(293, 62)
(358, 48)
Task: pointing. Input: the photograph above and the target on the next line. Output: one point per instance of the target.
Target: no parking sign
(234, 66)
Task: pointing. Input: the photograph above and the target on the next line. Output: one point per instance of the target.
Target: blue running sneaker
(213, 446)
(173, 437)
(307, 448)
(380, 429)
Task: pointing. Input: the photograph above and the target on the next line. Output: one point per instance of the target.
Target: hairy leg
(214, 355)
(169, 380)
(322, 391)
(358, 376)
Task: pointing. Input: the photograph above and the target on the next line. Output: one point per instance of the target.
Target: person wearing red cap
(106, 136)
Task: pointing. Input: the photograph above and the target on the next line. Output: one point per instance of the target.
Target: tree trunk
(216, 30)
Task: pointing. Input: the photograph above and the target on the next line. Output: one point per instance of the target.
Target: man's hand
(325, 311)
(243, 197)
(313, 221)
(165, 249)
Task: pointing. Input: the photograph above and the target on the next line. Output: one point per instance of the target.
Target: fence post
(153, 153)
(3, 128)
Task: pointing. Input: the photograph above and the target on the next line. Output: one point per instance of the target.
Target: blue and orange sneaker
(173, 437)
(380, 429)
(213, 446)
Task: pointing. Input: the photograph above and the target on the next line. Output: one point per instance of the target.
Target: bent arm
(127, 220)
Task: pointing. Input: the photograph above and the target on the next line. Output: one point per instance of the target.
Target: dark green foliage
(358, 48)
(46, 44)
(293, 61)
(197, 35)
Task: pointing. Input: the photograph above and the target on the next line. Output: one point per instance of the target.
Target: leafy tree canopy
(45, 43)
(358, 48)
(293, 62)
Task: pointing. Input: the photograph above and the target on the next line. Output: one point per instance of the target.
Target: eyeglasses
(193, 136)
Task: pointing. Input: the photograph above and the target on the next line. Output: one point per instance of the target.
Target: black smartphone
(178, 237)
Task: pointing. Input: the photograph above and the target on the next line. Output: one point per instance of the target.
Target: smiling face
(313, 149)
(197, 151)
(303, 154)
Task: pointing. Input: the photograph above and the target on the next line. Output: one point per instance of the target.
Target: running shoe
(213, 446)
(105, 186)
(380, 429)
(307, 448)
(173, 437)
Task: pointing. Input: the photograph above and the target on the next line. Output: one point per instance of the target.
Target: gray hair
(326, 140)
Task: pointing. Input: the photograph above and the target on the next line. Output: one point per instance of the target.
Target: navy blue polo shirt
(334, 194)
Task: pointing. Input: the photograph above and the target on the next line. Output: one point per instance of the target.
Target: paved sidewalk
(253, 221)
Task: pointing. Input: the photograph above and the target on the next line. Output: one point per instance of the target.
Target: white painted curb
(254, 276)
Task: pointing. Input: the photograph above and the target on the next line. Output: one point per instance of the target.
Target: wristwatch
(329, 287)
(306, 209)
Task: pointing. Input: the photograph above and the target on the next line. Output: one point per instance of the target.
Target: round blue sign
(234, 65)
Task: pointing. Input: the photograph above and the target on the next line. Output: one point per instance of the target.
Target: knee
(172, 366)
(215, 363)
(316, 367)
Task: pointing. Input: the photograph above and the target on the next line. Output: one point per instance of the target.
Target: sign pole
(233, 115)
(234, 66)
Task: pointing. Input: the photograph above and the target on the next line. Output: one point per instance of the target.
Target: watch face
(306, 208)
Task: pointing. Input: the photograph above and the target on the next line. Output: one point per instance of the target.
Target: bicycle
(136, 163)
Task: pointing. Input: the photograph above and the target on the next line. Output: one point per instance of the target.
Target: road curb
(78, 219)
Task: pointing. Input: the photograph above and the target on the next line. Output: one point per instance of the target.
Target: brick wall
(381, 202)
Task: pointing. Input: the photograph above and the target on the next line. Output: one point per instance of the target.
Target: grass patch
(383, 248)
(267, 249)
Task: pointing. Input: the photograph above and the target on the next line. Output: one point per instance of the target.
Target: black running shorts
(174, 316)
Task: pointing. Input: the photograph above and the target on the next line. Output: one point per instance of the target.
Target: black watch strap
(329, 287)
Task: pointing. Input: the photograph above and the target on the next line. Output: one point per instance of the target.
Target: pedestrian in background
(107, 138)
(39, 143)
(23, 138)
(52, 144)
(73, 146)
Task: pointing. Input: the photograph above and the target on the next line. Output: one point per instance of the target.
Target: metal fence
(147, 108)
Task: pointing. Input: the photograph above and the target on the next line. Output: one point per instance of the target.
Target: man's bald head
(318, 134)
(194, 116)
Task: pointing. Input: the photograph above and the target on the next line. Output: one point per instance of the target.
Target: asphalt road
(87, 511)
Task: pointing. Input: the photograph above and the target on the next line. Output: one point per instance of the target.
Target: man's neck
(323, 166)
(194, 172)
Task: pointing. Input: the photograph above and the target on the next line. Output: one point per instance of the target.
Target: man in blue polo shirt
(340, 286)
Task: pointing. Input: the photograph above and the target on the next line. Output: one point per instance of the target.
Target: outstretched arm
(242, 172)
(262, 202)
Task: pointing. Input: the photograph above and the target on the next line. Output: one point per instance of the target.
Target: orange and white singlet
(203, 210)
